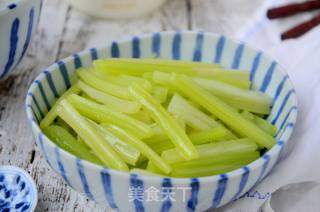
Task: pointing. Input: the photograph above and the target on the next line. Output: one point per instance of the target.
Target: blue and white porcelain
(129, 192)
(18, 22)
(18, 191)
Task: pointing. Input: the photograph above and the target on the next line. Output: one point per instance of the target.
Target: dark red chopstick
(301, 29)
(292, 9)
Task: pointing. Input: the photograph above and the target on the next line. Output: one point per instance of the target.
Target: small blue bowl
(18, 191)
(18, 21)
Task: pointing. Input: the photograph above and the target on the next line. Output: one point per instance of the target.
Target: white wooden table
(63, 30)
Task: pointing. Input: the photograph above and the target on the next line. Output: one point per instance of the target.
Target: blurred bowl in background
(117, 9)
(18, 21)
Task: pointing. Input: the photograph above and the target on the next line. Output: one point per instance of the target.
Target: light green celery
(66, 141)
(213, 150)
(160, 93)
(203, 171)
(221, 159)
(260, 122)
(101, 113)
(223, 111)
(63, 124)
(52, 114)
(91, 136)
(139, 66)
(144, 172)
(132, 79)
(216, 134)
(127, 152)
(180, 120)
(158, 135)
(240, 79)
(139, 145)
(151, 167)
(125, 80)
(193, 116)
(253, 101)
(104, 86)
(114, 103)
(169, 126)
(225, 77)
(142, 115)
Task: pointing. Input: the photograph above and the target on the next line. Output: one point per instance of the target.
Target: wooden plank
(80, 32)
(17, 146)
(220, 16)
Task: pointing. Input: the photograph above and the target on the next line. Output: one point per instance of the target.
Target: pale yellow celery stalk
(52, 114)
(212, 150)
(223, 111)
(101, 113)
(138, 144)
(165, 121)
(104, 86)
(114, 103)
(90, 136)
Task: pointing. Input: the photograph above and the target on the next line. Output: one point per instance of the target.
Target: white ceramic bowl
(18, 21)
(117, 188)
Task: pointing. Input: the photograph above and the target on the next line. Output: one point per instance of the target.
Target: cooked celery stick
(125, 80)
(67, 142)
(138, 144)
(260, 122)
(236, 78)
(102, 85)
(216, 134)
(151, 167)
(265, 125)
(221, 159)
(91, 136)
(213, 150)
(52, 114)
(158, 135)
(63, 124)
(194, 117)
(160, 93)
(223, 111)
(144, 172)
(197, 138)
(180, 120)
(165, 121)
(112, 102)
(101, 113)
(221, 76)
(138, 66)
(202, 171)
(131, 79)
(252, 101)
(128, 153)
(142, 115)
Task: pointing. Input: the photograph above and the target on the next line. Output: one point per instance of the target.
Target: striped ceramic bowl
(18, 21)
(132, 192)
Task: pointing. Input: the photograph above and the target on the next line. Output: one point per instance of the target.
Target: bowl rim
(4, 10)
(271, 153)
